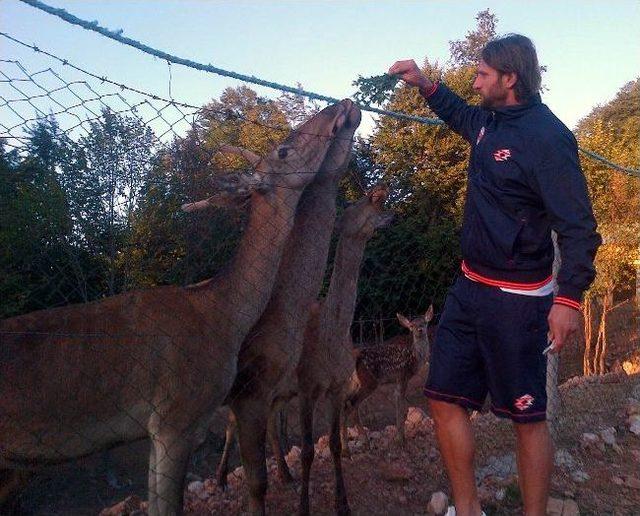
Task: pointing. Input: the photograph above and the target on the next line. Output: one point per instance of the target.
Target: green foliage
(612, 131)
(375, 90)
(466, 52)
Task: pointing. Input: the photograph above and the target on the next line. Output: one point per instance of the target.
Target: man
(524, 179)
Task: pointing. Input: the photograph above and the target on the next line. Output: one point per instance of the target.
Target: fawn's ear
(404, 321)
(428, 314)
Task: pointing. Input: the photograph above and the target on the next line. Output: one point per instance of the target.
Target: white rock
(501, 467)
(608, 435)
(589, 438)
(634, 424)
(294, 453)
(570, 508)
(554, 506)
(238, 473)
(438, 503)
(415, 416)
(564, 459)
(580, 476)
(195, 487)
(500, 494)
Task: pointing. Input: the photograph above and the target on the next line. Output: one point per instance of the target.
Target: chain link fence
(133, 320)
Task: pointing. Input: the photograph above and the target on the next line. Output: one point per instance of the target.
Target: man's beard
(496, 97)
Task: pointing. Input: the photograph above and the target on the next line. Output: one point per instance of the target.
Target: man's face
(491, 85)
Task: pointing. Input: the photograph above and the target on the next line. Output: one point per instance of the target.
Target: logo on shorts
(502, 155)
(523, 402)
(480, 135)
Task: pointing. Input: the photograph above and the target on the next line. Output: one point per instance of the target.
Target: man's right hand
(410, 73)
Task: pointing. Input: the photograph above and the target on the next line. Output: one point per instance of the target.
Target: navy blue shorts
(491, 341)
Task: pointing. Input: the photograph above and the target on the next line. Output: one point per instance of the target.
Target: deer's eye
(282, 152)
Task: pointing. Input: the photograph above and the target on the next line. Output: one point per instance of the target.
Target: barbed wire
(117, 36)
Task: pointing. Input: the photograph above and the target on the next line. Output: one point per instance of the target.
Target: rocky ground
(597, 464)
(600, 478)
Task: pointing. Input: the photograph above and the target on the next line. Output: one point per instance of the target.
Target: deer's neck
(422, 348)
(340, 302)
(306, 251)
(242, 294)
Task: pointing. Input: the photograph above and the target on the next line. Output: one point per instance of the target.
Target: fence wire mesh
(130, 313)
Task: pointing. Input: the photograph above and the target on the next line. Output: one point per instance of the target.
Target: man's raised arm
(464, 119)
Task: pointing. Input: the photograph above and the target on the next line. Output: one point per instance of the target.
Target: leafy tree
(168, 246)
(612, 131)
(466, 52)
(35, 225)
(411, 264)
(118, 151)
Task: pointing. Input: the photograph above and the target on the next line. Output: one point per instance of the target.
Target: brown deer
(395, 362)
(270, 353)
(155, 363)
(327, 361)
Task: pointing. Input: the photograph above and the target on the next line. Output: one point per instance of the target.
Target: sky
(591, 48)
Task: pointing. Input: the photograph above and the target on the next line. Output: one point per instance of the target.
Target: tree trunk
(601, 348)
(588, 337)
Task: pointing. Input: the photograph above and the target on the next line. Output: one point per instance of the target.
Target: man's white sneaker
(451, 511)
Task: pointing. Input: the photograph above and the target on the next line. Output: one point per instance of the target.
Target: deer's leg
(363, 393)
(342, 505)
(153, 489)
(172, 451)
(283, 469)
(223, 467)
(401, 410)
(307, 404)
(344, 437)
(252, 416)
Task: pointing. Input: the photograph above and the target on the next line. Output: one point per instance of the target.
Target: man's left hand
(563, 322)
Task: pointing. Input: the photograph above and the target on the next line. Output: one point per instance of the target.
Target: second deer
(393, 362)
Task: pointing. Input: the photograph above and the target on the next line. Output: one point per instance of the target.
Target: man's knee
(529, 429)
(537, 434)
(444, 413)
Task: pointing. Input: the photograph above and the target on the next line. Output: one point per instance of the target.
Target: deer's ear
(219, 200)
(428, 314)
(250, 156)
(234, 191)
(404, 321)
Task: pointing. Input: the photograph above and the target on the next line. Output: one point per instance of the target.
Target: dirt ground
(383, 479)
(380, 478)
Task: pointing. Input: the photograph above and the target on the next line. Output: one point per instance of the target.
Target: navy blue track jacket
(524, 179)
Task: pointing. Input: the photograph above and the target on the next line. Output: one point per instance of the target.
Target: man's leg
(455, 438)
(535, 465)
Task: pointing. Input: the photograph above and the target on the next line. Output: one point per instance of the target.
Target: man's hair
(514, 53)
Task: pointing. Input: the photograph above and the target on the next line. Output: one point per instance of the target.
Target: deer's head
(362, 218)
(292, 165)
(418, 326)
(338, 156)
